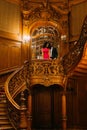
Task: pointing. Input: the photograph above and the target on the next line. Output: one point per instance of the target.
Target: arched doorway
(43, 34)
(44, 31)
(46, 107)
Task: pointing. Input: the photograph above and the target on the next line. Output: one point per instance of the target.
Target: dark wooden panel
(47, 107)
(72, 104)
(14, 57)
(10, 55)
(57, 107)
(3, 56)
(82, 102)
(41, 107)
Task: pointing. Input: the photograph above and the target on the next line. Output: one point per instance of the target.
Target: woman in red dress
(46, 51)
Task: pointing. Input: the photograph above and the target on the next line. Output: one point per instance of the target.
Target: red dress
(45, 52)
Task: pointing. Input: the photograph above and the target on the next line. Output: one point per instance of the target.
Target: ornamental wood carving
(45, 11)
(46, 72)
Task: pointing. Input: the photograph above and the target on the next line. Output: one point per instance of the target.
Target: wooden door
(46, 107)
(57, 105)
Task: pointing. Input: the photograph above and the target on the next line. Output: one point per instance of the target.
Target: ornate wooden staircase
(4, 121)
(75, 62)
(45, 73)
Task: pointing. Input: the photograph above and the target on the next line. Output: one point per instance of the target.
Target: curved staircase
(4, 121)
(75, 61)
(81, 68)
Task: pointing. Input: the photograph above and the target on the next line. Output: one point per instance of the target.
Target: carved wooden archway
(45, 14)
(42, 31)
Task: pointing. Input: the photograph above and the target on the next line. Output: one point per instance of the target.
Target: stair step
(2, 95)
(2, 98)
(3, 113)
(3, 109)
(6, 128)
(4, 122)
(2, 92)
(3, 117)
(3, 105)
(3, 101)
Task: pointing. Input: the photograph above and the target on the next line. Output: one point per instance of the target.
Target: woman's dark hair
(49, 46)
(45, 44)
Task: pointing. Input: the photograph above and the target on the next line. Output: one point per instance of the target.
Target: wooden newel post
(23, 117)
(64, 114)
(64, 117)
(30, 111)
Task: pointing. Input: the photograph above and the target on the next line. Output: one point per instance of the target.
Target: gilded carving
(34, 11)
(46, 72)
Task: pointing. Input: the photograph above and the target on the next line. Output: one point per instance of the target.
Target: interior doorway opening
(46, 107)
(42, 34)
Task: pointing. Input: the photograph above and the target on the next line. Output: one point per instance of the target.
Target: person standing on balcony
(53, 51)
(46, 51)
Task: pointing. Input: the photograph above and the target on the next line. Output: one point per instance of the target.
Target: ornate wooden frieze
(45, 10)
(46, 72)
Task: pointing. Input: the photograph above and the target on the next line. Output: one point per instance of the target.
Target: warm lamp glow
(63, 38)
(26, 38)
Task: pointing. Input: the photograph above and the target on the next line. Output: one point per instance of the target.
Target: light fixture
(63, 38)
(26, 38)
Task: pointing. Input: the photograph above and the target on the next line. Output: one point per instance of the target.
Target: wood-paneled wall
(82, 102)
(13, 52)
(47, 105)
(47, 112)
(10, 54)
(77, 103)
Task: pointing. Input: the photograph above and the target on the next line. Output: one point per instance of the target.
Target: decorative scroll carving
(12, 88)
(33, 11)
(41, 67)
(46, 72)
(13, 115)
(19, 78)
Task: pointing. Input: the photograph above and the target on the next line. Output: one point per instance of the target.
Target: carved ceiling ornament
(45, 10)
(45, 13)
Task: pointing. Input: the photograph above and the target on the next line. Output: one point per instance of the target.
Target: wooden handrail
(8, 95)
(72, 58)
(14, 85)
(22, 86)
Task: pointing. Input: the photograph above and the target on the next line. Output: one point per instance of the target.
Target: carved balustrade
(46, 72)
(15, 84)
(72, 58)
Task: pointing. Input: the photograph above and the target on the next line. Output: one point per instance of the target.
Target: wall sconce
(26, 38)
(63, 38)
